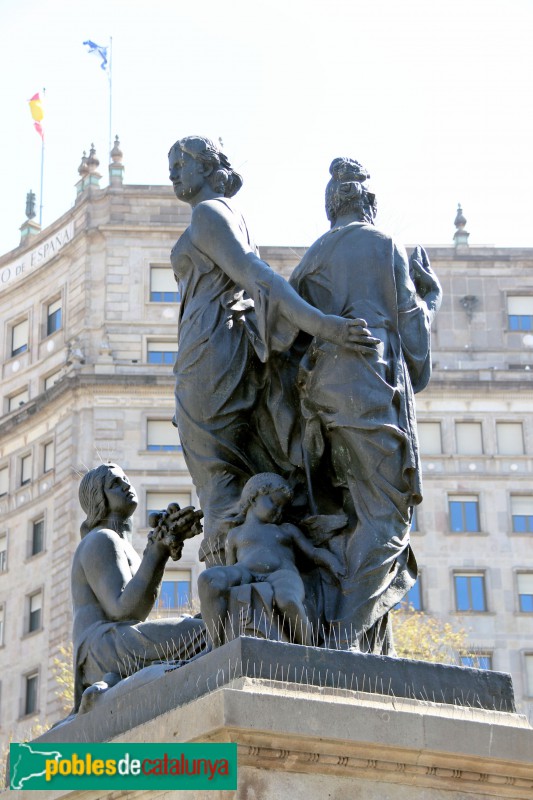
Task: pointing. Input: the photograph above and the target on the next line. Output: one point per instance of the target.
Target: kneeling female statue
(114, 590)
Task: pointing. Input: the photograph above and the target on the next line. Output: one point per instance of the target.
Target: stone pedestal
(316, 738)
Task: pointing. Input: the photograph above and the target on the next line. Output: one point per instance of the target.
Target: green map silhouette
(27, 763)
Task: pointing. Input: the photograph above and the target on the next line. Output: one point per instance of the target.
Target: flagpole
(42, 176)
(110, 93)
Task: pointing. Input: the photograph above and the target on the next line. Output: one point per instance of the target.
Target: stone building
(90, 315)
(472, 531)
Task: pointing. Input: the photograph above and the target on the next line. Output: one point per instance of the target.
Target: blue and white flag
(98, 50)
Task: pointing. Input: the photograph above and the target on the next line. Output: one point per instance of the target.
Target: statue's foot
(91, 695)
(112, 678)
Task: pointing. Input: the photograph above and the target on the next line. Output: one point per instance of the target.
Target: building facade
(472, 531)
(88, 339)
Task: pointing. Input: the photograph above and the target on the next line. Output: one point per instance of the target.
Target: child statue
(261, 548)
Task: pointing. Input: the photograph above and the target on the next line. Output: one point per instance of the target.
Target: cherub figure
(260, 547)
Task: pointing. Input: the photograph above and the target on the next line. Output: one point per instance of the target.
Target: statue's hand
(350, 333)
(183, 522)
(422, 274)
(331, 562)
(174, 526)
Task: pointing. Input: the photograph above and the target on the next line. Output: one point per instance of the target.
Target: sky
(433, 97)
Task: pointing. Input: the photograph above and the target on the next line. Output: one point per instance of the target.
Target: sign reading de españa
(123, 766)
(32, 259)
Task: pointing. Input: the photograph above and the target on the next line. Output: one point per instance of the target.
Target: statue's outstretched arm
(214, 231)
(318, 555)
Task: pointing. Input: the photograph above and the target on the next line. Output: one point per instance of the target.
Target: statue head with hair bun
(219, 173)
(346, 194)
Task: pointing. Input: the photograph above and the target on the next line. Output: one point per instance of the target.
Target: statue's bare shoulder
(100, 541)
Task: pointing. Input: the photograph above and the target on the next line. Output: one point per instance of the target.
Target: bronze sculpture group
(295, 409)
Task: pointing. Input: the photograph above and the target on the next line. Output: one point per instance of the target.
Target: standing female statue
(360, 426)
(235, 312)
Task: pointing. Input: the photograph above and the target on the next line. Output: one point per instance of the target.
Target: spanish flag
(36, 110)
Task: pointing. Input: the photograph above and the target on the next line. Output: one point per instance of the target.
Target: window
(529, 674)
(163, 286)
(162, 435)
(17, 400)
(35, 609)
(162, 352)
(51, 380)
(37, 537)
(429, 438)
(522, 514)
(48, 456)
(477, 661)
(4, 481)
(464, 514)
(470, 591)
(520, 313)
(31, 685)
(53, 317)
(3, 552)
(157, 501)
(525, 591)
(19, 338)
(510, 438)
(469, 438)
(2, 621)
(25, 469)
(175, 592)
